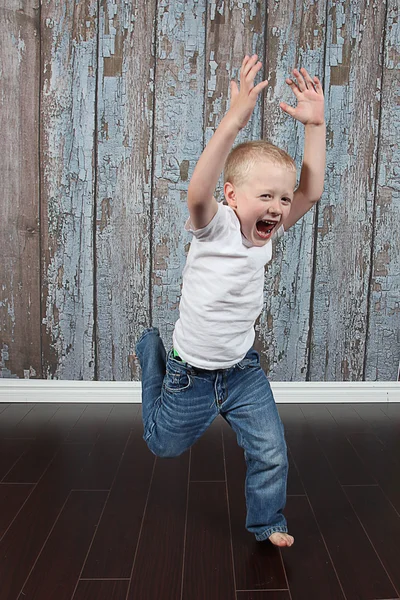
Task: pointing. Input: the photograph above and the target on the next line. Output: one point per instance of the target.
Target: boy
(212, 368)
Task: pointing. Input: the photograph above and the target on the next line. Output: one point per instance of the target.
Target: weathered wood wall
(105, 108)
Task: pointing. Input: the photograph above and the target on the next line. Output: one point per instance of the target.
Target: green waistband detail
(175, 354)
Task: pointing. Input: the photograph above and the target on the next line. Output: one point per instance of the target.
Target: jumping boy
(212, 368)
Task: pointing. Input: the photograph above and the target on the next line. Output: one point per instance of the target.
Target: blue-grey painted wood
(383, 342)
(19, 204)
(178, 134)
(124, 172)
(345, 220)
(295, 37)
(69, 41)
(108, 256)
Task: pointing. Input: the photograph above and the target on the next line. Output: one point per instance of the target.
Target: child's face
(266, 194)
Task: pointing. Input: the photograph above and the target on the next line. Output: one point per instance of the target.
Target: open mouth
(265, 228)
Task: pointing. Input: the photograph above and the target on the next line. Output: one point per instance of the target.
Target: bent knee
(164, 451)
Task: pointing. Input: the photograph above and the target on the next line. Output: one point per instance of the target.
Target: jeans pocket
(177, 379)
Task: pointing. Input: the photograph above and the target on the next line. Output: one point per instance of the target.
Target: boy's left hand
(310, 99)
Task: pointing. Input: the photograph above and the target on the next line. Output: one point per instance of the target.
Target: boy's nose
(276, 208)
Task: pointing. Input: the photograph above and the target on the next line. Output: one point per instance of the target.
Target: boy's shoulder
(223, 220)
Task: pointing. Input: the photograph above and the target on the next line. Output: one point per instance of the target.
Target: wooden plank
(345, 217)
(233, 29)
(12, 498)
(358, 568)
(19, 174)
(295, 37)
(60, 560)
(34, 421)
(163, 534)
(124, 172)
(382, 524)
(90, 424)
(308, 565)
(10, 452)
(31, 466)
(381, 463)
(114, 545)
(23, 541)
(101, 590)
(12, 416)
(383, 343)
(344, 461)
(208, 569)
(69, 42)
(178, 142)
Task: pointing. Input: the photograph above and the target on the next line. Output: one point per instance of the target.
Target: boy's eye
(286, 199)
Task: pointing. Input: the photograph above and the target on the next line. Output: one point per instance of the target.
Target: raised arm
(201, 202)
(310, 112)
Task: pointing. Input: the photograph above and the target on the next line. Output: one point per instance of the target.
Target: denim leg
(178, 400)
(251, 411)
(152, 357)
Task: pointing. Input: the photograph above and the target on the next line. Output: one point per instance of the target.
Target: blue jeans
(180, 401)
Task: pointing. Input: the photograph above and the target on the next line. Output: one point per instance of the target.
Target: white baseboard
(28, 390)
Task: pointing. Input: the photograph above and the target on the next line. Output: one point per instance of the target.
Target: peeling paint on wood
(112, 240)
(383, 342)
(283, 329)
(124, 168)
(178, 132)
(19, 206)
(68, 117)
(354, 38)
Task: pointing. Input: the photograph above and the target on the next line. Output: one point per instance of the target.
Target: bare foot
(281, 539)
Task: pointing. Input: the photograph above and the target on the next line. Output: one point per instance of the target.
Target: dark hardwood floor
(88, 513)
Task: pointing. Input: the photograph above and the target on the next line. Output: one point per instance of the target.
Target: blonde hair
(243, 157)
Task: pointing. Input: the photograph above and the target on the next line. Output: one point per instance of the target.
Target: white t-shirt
(222, 293)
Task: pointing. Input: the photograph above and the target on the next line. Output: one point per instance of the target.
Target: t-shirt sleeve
(216, 228)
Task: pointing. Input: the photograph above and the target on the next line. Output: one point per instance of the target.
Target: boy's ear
(230, 196)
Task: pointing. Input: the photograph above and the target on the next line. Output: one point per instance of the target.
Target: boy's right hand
(243, 102)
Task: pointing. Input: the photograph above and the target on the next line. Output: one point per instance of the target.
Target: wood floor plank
(22, 542)
(60, 424)
(12, 415)
(208, 569)
(49, 434)
(263, 595)
(12, 498)
(207, 463)
(89, 426)
(163, 533)
(101, 590)
(307, 562)
(347, 418)
(57, 569)
(382, 525)
(385, 428)
(113, 549)
(356, 563)
(257, 565)
(294, 484)
(33, 463)
(380, 462)
(34, 421)
(102, 464)
(10, 452)
(345, 462)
